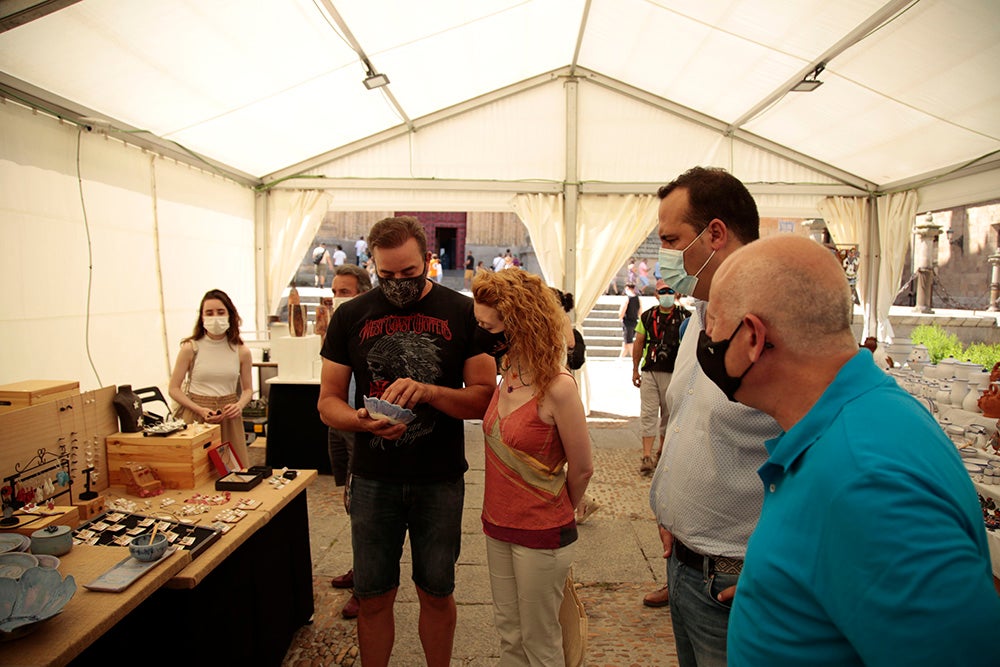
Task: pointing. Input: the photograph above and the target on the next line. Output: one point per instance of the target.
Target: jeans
(381, 515)
(700, 621)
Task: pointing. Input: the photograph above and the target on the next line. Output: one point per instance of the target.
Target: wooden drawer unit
(180, 460)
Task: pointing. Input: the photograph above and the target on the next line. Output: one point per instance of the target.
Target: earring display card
(118, 528)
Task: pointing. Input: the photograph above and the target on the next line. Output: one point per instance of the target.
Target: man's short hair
(364, 280)
(715, 193)
(394, 232)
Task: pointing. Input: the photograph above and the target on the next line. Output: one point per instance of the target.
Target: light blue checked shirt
(706, 490)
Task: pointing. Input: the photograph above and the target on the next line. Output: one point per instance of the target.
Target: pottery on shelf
(989, 402)
(971, 401)
(322, 320)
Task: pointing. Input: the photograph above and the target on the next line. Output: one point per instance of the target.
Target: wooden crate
(180, 459)
(17, 395)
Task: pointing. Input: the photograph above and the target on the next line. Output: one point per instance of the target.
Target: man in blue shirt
(870, 548)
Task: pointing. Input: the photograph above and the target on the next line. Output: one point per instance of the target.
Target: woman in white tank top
(217, 366)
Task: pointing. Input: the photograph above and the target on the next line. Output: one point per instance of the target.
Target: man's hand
(383, 428)
(726, 594)
(667, 538)
(407, 392)
(636, 377)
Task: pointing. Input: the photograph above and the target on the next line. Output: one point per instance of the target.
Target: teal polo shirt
(871, 548)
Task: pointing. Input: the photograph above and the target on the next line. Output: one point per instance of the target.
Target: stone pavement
(618, 561)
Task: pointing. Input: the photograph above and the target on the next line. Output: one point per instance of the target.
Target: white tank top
(216, 369)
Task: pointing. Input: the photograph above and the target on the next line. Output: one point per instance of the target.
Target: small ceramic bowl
(48, 560)
(379, 409)
(141, 549)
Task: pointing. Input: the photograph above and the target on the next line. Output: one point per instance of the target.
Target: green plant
(940, 344)
(983, 354)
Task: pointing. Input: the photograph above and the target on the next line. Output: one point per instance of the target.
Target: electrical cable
(90, 257)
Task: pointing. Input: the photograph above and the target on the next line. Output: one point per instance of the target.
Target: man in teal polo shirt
(870, 548)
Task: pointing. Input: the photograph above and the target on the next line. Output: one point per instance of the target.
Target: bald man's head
(795, 285)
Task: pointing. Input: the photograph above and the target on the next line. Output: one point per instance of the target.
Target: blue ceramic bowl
(141, 549)
(379, 409)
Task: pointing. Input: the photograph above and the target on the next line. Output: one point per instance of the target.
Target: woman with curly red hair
(538, 463)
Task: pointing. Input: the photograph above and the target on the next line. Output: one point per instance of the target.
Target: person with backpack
(321, 260)
(657, 338)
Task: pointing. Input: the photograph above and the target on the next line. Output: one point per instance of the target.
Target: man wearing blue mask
(870, 548)
(705, 492)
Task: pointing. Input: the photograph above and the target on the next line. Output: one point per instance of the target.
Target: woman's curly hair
(532, 317)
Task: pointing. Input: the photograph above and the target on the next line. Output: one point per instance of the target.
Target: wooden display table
(239, 601)
(90, 613)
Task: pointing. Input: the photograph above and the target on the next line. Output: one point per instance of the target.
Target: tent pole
(874, 260)
(571, 187)
(261, 253)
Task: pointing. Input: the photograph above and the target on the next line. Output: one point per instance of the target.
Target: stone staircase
(602, 330)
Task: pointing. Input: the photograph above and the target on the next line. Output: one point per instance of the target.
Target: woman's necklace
(514, 375)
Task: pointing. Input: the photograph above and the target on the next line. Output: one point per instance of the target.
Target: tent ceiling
(910, 88)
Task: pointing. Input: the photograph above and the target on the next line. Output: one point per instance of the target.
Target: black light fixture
(810, 82)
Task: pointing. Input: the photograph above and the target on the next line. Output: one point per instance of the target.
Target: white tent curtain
(542, 214)
(896, 213)
(847, 220)
(293, 219)
(609, 229)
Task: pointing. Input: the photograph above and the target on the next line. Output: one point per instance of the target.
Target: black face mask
(403, 292)
(712, 359)
(493, 344)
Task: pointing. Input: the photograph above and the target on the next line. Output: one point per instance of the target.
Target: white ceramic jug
(959, 388)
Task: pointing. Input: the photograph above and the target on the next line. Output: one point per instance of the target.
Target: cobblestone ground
(622, 632)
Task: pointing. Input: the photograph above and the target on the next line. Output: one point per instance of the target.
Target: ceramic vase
(971, 401)
(322, 320)
(959, 388)
(989, 402)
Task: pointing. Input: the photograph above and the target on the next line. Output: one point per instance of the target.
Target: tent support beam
(722, 128)
(261, 251)
(18, 12)
(33, 97)
(884, 14)
(572, 185)
(873, 262)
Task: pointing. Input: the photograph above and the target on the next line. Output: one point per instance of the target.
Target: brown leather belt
(709, 564)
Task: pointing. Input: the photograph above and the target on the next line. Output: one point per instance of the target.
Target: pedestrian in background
(657, 338)
(349, 281)
(628, 313)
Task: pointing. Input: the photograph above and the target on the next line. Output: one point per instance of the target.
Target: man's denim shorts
(381, 514)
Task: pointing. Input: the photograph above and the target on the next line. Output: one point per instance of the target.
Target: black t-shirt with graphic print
(428, 342)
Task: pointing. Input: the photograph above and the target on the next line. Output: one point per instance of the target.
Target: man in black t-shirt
(409, 342)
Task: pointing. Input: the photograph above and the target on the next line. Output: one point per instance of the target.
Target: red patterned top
(526, 501)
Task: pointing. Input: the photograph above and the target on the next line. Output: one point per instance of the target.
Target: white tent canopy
(581, 103)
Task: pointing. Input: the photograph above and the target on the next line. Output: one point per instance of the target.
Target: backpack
(576, 357)
(318, 254)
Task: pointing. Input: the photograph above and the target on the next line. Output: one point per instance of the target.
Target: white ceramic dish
(380, 409)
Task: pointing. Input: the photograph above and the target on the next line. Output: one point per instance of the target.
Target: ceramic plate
(14, 563)
(10, 542)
